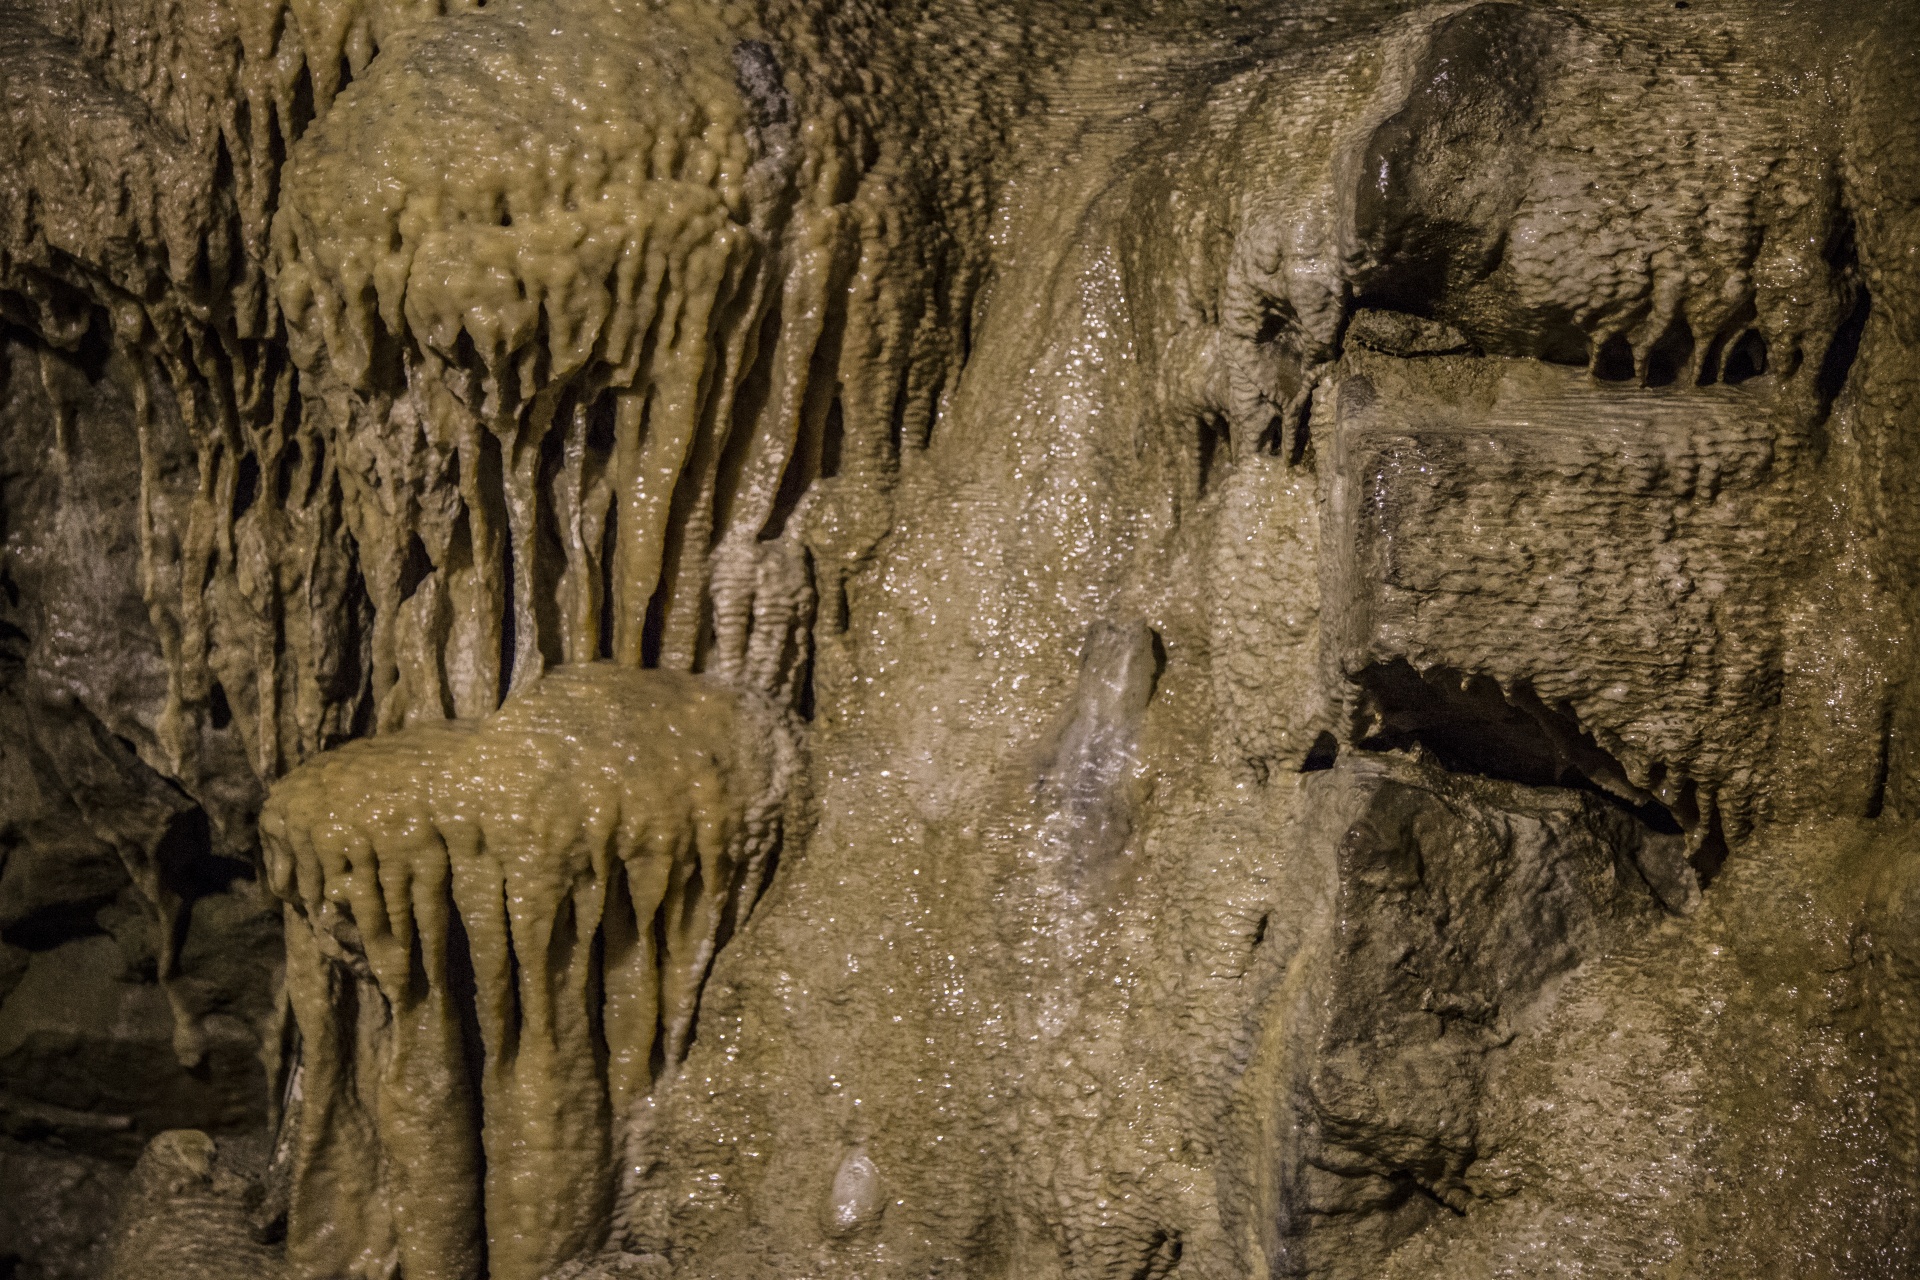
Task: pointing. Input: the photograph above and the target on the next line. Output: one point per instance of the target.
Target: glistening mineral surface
(1036, 641)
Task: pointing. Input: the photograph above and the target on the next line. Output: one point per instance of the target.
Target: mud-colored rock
(1342, 577)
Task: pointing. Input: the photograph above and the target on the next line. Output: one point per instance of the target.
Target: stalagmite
(497, 935)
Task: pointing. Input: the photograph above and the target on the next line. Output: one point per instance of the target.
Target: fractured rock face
(1464, 905)
(497, 937)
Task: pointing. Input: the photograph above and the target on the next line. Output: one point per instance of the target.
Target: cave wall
(1343, 576)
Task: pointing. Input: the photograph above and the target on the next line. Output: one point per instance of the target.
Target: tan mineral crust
(980, 639)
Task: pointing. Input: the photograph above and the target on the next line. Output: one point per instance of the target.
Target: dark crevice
(1275, 323)
(1746, 359)
(1711, 854)
(510, 569)
(1670, 355)
(246, 485)
(301, 112)
(513, 1014)
(1409, 1185)
(1163, 1252)
(833, 438)
(966, 313)
(609, 543)
(1837, 365)
(547, 558)
(1471, 724)
(466, 358)
(316, 471)
(602, 417)
(840, 609)
(615, 943)
(14, 644)
(657, 1063)
(1564, 343)
(415, 568)
(1322, 754)
(563, 937)
(1301, 452)
(804, 695)
(463, 998)
(1213, 433)
(1614, 361)
(186, 858)
(1713, 363)
(419, 985)
(288, 467)
(656, 626)
(1882, 763)
(58, 923)
(597, 985)
(353, 676)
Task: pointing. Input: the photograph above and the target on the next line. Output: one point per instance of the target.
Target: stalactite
(461, 412)
(600, 369)
(608, 353)
(544, 889)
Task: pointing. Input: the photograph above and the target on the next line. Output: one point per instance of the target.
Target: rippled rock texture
(1137, 639)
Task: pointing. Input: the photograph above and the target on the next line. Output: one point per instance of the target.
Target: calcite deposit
(1153, 639)
(543, 890)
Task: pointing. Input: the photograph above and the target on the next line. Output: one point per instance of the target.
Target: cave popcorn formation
(497, 934)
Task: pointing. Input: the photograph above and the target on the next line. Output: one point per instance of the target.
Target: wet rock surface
(1323, 595)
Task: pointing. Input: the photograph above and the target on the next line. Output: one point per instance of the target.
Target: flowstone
(497, 933)
(1137, 639)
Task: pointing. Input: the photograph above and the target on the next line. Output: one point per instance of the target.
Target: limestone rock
(1323, 594)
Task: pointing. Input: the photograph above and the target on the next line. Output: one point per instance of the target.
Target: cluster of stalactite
(534, 339)
(497, 933)
(462, 410)
(1455, 207)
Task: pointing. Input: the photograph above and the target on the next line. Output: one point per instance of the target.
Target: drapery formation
(537, 338)
(560, 281)
(497, 932)
(527, 341)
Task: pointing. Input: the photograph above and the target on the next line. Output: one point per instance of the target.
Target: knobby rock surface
(1128, 639)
